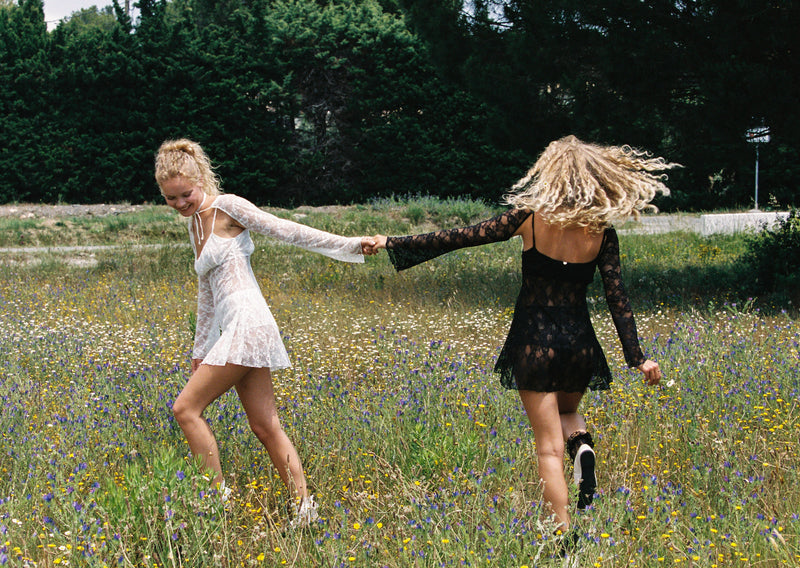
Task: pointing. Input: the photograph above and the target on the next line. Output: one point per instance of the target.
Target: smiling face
(183, 195)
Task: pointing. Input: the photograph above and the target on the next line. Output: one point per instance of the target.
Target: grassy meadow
(416, 454)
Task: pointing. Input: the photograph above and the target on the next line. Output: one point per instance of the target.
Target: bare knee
(267, 428)
(183, 412)
(554, 451)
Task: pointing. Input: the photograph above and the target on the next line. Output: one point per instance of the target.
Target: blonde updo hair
(576, 183)
(186, 159)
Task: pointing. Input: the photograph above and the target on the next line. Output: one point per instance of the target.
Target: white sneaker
(224, 492)
(306, 514)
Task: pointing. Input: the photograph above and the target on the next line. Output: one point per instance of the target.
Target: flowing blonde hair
(576, 183)
(184, 158)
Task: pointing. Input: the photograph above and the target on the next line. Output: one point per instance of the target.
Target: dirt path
(78, 255)
(36, 211)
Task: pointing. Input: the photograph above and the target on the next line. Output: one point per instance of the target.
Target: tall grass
(417, 456)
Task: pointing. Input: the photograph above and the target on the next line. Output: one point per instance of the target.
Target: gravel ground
(83, 256)
(661, 224)
(36, 211)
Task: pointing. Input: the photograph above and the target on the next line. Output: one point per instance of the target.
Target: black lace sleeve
(405, 252)
(618, 303)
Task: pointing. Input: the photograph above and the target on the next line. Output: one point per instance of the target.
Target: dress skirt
(551, 349)
(247, 332)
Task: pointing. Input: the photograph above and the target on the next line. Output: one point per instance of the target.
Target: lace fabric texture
(551, 344)
(234, 323)
(405, 252)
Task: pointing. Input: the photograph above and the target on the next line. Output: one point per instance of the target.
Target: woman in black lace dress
(563, 209)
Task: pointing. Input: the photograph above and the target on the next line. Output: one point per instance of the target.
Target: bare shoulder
(224, 224)
(227, 223)
(525, 230)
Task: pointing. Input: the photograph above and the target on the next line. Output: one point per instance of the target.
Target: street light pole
(757, 136)
(756, 177)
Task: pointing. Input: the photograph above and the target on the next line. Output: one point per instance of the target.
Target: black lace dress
(551, 345)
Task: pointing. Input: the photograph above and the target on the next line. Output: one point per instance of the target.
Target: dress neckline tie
(198, 222)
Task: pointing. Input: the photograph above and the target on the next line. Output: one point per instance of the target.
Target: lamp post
(759, 135)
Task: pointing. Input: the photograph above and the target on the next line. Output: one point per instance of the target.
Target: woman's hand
(651, 372)
(380, 242)
(368, 246)
(195, 364)
(371, 245)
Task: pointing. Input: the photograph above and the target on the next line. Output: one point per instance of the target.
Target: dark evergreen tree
(372, 117)
(683, 79)
(745, 63)
(92, 18)
(24, 124)
(314, 101)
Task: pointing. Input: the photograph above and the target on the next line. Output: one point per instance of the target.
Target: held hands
(651, 372)
(368, 246)
(371, 245)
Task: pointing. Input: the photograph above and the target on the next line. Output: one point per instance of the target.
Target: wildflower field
(416, 454)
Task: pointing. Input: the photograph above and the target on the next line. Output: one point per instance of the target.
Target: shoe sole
(584, 476)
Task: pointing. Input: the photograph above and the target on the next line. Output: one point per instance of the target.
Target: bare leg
(583, 458)
(571, 420)
(258, 399)
(205, 385)
(543, 414)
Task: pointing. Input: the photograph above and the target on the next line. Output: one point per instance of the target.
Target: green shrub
(415, 213)
(773, 256)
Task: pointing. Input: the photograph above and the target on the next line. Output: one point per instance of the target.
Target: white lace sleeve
(205, 318)
(347, 249)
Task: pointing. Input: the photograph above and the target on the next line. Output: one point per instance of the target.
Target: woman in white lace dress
(237, 341)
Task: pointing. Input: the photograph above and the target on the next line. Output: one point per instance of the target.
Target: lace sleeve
(405, 252)
(205, 318)
(617, 298)
(346, 249)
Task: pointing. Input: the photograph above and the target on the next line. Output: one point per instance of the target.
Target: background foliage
(773, 257)
(300, 101)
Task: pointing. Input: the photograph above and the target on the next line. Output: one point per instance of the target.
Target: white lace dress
(234, 323)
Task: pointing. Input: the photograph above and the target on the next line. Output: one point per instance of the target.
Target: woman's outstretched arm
(405, 252)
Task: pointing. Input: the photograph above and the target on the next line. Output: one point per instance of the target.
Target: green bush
(773, 257)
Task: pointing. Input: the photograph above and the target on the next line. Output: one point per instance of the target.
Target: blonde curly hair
(184, 158)
(577, 183)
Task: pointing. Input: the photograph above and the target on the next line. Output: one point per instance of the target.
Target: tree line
(318, 102)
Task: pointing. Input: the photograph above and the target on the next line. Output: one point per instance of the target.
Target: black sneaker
(584, 475)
